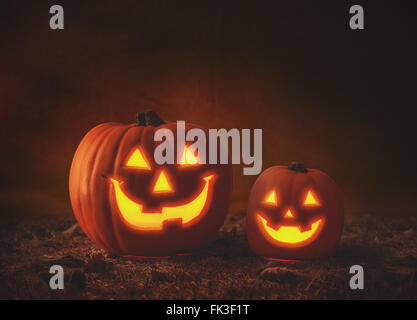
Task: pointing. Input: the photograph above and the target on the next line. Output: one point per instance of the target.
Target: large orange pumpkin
(294, 213)
(129, 205)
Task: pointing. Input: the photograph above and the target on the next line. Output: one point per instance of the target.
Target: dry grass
(227, 269)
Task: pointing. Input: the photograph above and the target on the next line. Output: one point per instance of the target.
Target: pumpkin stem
(297, 167)
(148, 118)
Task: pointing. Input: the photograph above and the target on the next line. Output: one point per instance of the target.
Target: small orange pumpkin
(129, 205)
(294, 213)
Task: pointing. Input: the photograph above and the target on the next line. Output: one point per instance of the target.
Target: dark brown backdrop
(335, 99)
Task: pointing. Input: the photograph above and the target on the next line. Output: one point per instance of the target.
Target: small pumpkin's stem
(297, 167)
(148, 118)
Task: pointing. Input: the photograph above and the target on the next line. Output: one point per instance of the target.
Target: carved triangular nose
(289, 214)
(162, 184)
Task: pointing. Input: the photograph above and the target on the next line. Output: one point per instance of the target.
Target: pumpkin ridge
(84, 144)
(98, 144)
(110, 227)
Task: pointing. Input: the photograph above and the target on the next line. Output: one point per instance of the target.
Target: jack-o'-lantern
(294, 213)
(129, 205)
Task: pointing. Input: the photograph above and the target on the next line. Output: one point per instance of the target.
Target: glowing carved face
(294, 213)
(129, 205)
(289, 233)
(187, 213)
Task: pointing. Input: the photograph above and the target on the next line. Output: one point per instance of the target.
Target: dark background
(338, 100)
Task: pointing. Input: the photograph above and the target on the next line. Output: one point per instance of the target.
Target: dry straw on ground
(226, 269)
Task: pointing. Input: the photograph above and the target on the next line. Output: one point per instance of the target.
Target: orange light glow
(271, 198)
(162, 184)
(290, 236)
(188, 158)
(138, 160)
(289, 214)
(311, 200)
(286, 261)
(189, 213)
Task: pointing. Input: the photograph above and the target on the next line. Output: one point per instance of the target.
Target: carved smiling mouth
(189, 212)
(290, 236)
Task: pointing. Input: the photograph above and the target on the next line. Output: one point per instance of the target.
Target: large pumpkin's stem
(148, 118)
(297, 167)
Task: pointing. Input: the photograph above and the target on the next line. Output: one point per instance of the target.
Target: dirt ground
(226, 269)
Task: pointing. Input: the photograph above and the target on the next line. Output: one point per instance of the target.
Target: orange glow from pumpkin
(285, 261)
(271, 198)
(138, 160)
(290, 236)
(311, 199)
(289, 214)
(188, 158)
(189, 213)
(162, 184)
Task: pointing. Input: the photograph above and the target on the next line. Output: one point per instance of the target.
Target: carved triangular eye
(188, 158)
(311, 199)
(271, 198)
(138, 160)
